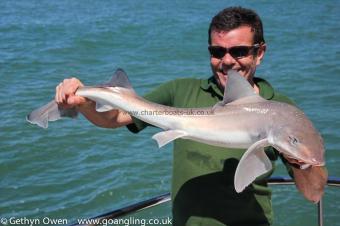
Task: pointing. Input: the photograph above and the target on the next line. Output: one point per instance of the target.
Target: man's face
(246, 66)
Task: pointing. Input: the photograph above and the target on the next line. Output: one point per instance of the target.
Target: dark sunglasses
(236, 52)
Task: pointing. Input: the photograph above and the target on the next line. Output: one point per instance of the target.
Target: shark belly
(230, 139)
(222, 133)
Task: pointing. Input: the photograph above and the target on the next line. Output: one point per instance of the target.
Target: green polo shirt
(203, 175)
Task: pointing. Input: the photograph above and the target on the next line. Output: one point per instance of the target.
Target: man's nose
(228, 60)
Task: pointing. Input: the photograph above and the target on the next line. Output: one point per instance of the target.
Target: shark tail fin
(49, 112)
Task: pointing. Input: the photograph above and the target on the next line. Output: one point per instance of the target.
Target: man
(202, 187)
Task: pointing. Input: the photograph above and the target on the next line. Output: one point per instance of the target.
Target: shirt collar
(210, 85)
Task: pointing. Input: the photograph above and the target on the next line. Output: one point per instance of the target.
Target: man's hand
(66, 98)
(65, 93)
(309, 181)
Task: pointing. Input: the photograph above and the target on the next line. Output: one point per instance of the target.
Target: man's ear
(260, 53)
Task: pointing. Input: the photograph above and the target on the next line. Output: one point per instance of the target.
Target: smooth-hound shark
(242, 119)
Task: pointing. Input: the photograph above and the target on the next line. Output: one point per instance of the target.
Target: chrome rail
(332, 181)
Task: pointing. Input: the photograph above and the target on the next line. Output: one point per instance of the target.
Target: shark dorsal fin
(237, 87)
(119, 79)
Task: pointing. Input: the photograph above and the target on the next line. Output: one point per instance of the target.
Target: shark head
(298, 139)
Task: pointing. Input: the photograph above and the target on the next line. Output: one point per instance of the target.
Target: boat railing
(155, 201)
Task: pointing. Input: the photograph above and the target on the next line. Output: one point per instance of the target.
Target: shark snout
(313, 157)
(314, 160)
(318, 162)
(305, 155)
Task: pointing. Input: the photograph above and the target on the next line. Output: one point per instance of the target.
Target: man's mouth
(225, 72)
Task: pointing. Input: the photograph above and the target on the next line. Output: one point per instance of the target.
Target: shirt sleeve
(163, 94)
(288, 166)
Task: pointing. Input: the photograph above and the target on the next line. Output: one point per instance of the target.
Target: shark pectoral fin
(165, 137)
(253, 163)
(102, 107)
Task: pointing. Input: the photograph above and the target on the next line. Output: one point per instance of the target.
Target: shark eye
(293, 140)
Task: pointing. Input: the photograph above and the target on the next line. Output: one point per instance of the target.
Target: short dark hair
(233, 17)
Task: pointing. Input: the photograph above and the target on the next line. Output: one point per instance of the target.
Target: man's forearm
(311, 182)
(109, 119)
